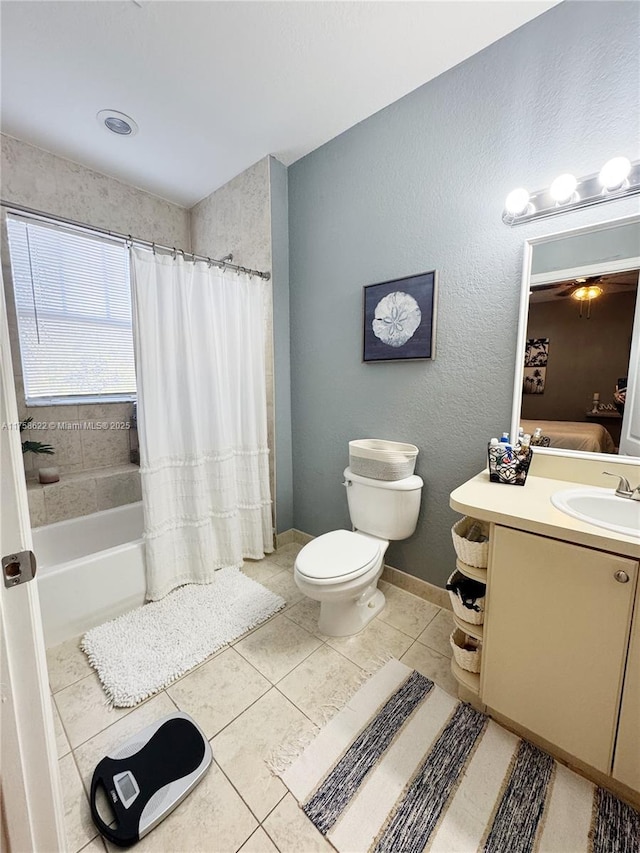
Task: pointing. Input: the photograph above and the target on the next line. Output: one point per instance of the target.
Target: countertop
(529, 508)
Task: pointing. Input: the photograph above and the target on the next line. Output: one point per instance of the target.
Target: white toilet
(341, 569)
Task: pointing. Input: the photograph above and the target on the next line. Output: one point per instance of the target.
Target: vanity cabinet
(555, 646)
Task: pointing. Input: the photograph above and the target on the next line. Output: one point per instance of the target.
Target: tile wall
(235, 218)
(83, 493)
(94, 463)
(92, 454)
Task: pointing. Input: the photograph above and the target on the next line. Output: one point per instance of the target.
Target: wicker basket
(472, 553)
(473, 617)
(382, 460)
(467, 658)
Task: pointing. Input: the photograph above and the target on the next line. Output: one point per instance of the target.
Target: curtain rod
(129, 240)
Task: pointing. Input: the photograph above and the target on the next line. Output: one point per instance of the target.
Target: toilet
(341, 569)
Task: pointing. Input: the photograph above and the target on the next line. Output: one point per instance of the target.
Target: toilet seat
(337, 556)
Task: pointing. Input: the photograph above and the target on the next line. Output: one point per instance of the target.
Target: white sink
(601, 507)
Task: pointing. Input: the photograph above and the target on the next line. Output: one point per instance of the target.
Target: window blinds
(73, 304)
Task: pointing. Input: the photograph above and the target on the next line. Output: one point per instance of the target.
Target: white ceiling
(215, 86)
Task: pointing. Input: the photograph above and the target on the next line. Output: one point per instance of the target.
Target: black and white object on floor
(148, 775)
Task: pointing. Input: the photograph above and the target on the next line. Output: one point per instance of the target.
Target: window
(73, 304)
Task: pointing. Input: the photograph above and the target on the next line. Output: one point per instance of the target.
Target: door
(626, 764)
(630, 433)
(32, 812)
(556, 640)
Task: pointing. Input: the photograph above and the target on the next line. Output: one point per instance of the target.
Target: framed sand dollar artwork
(400, 318)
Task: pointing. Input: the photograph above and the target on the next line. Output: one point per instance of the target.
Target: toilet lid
(338, 554)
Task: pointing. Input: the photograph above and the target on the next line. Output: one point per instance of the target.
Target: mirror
(577, 376)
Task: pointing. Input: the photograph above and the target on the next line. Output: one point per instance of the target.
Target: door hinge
(18, 568)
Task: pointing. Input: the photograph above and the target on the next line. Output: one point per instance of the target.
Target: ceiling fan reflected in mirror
(584, 289)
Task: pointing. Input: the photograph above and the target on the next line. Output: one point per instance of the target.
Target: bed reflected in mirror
(579, 345)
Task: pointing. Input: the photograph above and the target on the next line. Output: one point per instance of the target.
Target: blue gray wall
(421, 186)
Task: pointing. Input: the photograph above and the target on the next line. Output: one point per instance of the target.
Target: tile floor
(277, 683)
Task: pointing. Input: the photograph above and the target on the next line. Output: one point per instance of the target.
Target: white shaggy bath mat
(142, 652)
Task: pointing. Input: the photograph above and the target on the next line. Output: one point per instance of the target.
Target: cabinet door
(626, 764)
(556, 639)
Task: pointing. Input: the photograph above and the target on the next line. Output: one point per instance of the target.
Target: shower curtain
(202, 418)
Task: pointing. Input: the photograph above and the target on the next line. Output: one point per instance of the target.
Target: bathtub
(90, 569)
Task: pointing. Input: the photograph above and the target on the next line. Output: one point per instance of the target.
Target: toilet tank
(382, 508)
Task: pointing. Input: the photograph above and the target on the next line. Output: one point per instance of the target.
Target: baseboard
(282, 539)
(301, 538)
(417, 586)
(396, 577)
(292, 537)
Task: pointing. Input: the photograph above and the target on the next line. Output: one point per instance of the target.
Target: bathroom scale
(148, 775)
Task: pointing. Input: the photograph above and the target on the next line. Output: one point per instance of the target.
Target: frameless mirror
(577, 376)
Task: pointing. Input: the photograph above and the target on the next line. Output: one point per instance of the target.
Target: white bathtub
(90, 569)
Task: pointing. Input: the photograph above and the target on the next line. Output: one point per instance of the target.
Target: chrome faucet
(624, 489)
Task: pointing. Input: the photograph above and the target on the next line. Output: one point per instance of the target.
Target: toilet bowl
(341, 569)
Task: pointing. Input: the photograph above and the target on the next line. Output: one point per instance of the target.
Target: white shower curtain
(202, 418)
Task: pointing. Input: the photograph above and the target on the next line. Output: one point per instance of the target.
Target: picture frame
(399, 319)
(536, 358)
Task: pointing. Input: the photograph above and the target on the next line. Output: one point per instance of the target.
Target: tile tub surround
(44, 181)
(275, 684)
(82, 493)
(237, 218)
(247, 216)
(78, 435)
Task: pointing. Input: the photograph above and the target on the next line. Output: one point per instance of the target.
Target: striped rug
(405, 768)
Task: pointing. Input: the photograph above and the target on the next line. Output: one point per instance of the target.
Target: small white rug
(142, 652)
(405, 768)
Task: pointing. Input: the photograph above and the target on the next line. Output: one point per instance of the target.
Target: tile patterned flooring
(277, 682)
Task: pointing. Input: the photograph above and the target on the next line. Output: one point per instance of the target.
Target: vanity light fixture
(619, 177)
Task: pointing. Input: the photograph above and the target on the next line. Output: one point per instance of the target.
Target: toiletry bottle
(505, 438)
(525, 448)
(495, 449)
(495, 452)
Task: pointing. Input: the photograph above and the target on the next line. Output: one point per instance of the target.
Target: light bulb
(614, 173)
(517, 201)
(587, 293)
(563, 188)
